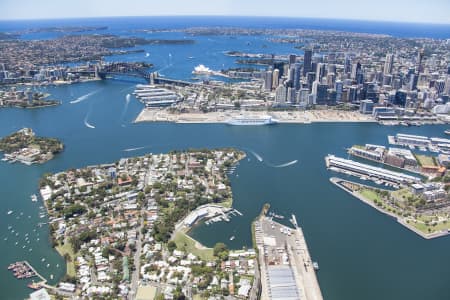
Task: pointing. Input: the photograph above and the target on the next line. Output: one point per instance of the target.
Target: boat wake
(86, 123)
(84, 97)
(256, 155)
(135, 149)
(285, 164)
(125, 108)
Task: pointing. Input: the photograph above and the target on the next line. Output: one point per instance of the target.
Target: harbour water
(362, 253)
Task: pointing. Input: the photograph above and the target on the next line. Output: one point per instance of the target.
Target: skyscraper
(339, 89)
(276, 77)
(297, 74)
(307, 60)
(347, 64)
(439, 85)
(268, 81)
(292, 59)
(280, 94)
(320, 71)
(322, 94)
(389, 63)
(420, 57)
(291, 95)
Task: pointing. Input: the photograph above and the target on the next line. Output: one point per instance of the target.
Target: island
(25, 147)
(122, 227)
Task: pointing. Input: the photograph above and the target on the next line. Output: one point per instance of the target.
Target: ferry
(263, 120)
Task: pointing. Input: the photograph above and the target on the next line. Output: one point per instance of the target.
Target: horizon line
(229, 16)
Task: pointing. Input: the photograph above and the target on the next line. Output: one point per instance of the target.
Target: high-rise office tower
(280, 67)
(353, 94)
(339, 89)
(292, 59)
(268, 81)
(331, 79)
(322, 94)
(347, 64)
(439, 85)
(310, 78)
(280, 94)
(389, 63)
(447, 86)
(420, 57)
(400, 98)
(302, 97)
(356, 69)
(412, 84)
(307, 61)
(291, 95)
(276, 77)
(297, 75)
(320, 71)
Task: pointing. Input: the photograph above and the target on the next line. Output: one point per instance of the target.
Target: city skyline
(384, 10)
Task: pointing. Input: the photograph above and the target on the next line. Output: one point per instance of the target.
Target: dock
(287, 270)
(24, 270)
(42, 278)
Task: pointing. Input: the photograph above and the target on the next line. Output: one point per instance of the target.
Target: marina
(23, 270)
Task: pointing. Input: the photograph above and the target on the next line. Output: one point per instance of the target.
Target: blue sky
(424, 11)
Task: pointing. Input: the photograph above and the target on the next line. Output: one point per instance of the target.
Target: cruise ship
(262, 120)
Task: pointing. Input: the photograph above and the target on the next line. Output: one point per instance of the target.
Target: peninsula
(25, 99)
(420, 203)
(24, 146)
(120, 227)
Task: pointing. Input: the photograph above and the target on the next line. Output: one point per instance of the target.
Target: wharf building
(355, 168)
(372, 152)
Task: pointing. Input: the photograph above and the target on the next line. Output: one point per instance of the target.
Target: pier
(24, 270)
(287, 270)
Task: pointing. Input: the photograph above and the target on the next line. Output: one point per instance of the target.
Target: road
(137, 262)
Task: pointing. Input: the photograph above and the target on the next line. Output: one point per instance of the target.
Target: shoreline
(283, 117)
(336, 180)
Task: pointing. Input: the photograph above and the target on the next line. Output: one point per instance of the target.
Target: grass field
(370, 195)
(424, 228)
(187, 244)
(425, 160)
(62, 250)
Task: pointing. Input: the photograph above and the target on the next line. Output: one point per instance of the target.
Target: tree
(221, 251)
(171, 246)
(159, 297)
(178, 294)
